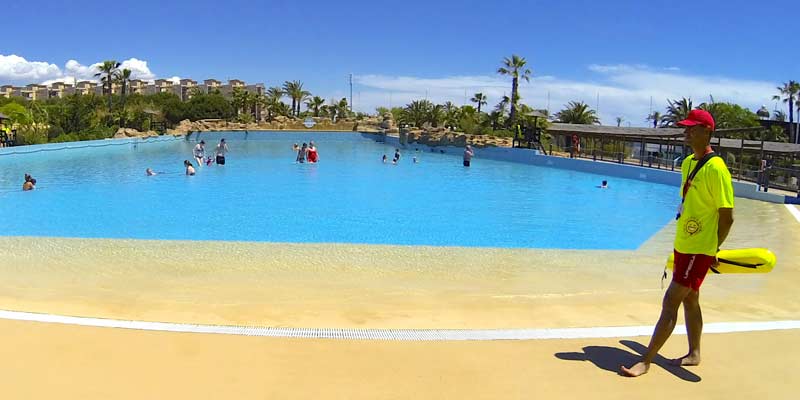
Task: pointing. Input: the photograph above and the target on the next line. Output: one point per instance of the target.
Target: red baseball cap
(698, 117)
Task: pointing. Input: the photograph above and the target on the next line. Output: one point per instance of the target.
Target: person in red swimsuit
(312, 155)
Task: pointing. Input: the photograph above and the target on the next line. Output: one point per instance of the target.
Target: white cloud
(81, 72)
(16, 68)
(20, 71)
(139, 69)
(623, 90)
(66, 79)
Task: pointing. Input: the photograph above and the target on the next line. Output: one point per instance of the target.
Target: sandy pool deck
(351, 286)
(71, 362)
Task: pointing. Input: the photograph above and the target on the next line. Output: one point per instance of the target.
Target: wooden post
(741, 152)
(602, 146)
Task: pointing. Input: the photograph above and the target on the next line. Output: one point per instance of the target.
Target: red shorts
(690, 269)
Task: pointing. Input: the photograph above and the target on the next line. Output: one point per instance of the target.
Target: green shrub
(28, 135)
(71, 137)
(53, 132)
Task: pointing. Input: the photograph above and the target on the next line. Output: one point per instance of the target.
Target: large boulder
(388, 121)
(123, 133)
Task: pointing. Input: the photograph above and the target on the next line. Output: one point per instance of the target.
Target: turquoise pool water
(350, 196)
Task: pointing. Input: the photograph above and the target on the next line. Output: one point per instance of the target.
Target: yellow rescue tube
(741, 261)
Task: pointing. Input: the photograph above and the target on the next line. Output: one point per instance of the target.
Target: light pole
(351, 93)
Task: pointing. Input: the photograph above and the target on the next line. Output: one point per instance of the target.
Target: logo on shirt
(692, 226)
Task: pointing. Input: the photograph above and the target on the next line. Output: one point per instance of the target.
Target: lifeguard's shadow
(611, 358)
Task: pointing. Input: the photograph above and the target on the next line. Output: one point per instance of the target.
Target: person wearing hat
(703, 221)
(199, 152)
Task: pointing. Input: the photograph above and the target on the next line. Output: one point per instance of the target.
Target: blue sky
(623, 51)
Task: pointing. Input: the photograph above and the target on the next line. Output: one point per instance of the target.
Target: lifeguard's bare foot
(687, 360)
(637, 369)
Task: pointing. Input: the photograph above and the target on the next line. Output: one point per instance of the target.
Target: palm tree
(502, 106)
(436, 115)
(331, 110)
(301, 96)
(619, 120)
(314, 104)
(779, 116)
(272, 101)
(515, 67)
(290, 89)
(123, 78)
(577, 112)
(110, 69)
(343, 108)
(677, 110)
(655, 117)
(789, 91)
(479, 99)
(294, 90)
(495, 118)
(236, 99)
(452, 113)
(417, 112)
(275, 92)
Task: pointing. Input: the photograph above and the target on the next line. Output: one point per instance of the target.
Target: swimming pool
(350, 196)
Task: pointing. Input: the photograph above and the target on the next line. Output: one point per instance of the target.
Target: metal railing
(782, 178)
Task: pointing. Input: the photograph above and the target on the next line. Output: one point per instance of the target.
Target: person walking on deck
(704, 219)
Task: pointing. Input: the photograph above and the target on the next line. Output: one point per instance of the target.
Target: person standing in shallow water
(222, 149)
(301, 154)
(199, 152)
(704, 220)
(468, 154)
(311, 153)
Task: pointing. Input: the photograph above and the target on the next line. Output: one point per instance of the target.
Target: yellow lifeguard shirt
(710, 190)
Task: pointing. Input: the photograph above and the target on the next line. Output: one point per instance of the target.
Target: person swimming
(150, 172)
(384, 159)
(603, 185)
(30, 183)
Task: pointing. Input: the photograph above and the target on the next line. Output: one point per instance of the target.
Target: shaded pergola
(595, 141)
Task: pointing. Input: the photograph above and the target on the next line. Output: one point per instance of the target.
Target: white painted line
(793, 209)
(396, 334)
